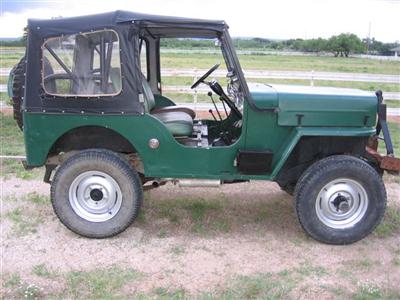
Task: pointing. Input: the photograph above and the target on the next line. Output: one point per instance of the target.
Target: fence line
(16, 157)
(311, 75)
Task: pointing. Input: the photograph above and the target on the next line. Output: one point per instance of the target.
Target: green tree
(314, 45)
(345, 43)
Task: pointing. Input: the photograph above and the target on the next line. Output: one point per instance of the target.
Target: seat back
(115, 76)
(149, 101)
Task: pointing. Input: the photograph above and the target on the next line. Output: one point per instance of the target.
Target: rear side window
(84, 64)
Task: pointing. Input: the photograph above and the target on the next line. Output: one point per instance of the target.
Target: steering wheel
(202, 78)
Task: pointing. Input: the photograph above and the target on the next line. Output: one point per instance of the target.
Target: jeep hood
(316, 106)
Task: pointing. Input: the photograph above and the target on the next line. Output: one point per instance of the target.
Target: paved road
(331, 76)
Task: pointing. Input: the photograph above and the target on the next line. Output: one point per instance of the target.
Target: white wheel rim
(341, 203)
(95, 196)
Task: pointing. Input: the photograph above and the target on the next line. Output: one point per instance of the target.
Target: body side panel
(172, 159)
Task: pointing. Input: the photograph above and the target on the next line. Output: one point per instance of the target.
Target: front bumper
(386, 162)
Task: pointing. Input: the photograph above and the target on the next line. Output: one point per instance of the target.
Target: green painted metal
(325, 106)
(173, 160)
(264, 96)
(316, 106)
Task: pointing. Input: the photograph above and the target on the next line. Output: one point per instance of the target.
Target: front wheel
(340, 200)
(96, 193)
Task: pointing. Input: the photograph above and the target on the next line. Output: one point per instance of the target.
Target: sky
(276, 19)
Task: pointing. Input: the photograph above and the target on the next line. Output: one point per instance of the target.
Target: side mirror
(217, 43)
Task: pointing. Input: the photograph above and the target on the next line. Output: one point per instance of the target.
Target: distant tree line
(21, 42)
(13, 42)
(339, 45)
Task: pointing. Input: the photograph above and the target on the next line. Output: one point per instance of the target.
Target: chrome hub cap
(341, 203)
(95, 196)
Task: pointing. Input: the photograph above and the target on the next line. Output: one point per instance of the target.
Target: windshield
(184, 60)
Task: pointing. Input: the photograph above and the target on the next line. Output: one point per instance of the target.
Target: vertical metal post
(195, 91)
(103, 82)
(312, 78)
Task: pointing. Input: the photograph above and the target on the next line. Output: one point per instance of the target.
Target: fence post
(312, 78)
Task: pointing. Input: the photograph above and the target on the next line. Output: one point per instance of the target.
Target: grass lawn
(4, 98)
(8, 60)
(3, 79)
(285, 63)
(394, 129)
(393, 103)
(12, 143)
(263, 62)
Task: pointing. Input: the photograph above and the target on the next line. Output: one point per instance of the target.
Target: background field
(238, 242)
(267, 62)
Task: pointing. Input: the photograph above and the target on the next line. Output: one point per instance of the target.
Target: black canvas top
(46, 28)
(129, 26)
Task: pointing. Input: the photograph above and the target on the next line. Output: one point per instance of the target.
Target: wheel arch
(91, 136)
(94, 136)
(309, 149)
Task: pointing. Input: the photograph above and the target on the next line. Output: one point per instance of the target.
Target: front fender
(300, 132)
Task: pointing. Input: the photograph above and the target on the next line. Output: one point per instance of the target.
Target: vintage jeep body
(105, 132)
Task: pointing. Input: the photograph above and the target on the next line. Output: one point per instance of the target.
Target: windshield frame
(157, 31)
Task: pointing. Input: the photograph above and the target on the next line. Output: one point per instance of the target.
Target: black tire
(18, 88)
(313, 189)
(123, 178)
(289, 188)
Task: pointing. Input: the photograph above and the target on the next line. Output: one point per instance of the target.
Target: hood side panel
(317, 106)
(326, 110)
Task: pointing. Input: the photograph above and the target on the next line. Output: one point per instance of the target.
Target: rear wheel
(340, 199)
(96, 193)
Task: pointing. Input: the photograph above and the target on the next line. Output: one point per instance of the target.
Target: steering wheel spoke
(202, 78)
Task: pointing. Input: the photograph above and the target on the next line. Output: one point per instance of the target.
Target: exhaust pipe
(198, 183)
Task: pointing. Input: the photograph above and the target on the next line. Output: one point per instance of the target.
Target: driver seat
(178, 122)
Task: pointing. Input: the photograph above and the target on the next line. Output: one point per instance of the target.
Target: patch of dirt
(17, 187)
(263, 236)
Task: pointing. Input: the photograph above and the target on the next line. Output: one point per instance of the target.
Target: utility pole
(369, 37)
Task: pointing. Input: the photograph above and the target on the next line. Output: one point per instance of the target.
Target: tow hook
(386, 162)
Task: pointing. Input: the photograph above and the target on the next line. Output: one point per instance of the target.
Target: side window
(85, 64)
(143, 57)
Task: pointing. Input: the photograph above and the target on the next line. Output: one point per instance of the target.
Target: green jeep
(100, 124)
